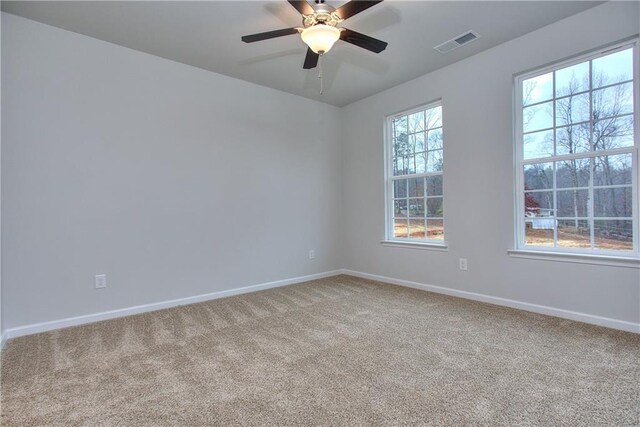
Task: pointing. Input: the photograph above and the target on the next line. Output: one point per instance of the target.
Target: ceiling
(206, 34)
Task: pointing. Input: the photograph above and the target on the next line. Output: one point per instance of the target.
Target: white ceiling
(206, 34)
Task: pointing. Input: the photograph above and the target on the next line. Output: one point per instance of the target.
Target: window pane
(418, 141)
(434, 117)
(539, 221)
(434, 207)
(398, 166)
(416, 187)
(572, 203)
(537, 236)
(573, 139)
(572, 79)
(416, 122)
(573, 173)
(574, 109)
(416, 228)
(614, 68)
(538, 144)
(539, 205)
(435, 229)
(574, 233)
(614, 235)
(400, 126)
(613, 101)
(434, 161)
(401, 146)
(400, 188)
(612, 202)
(613, 133)
(411, 145)
(537, 117)
(612, 170)
(400, 228)
(537, 89)
(421, 162)
(410, 164)
(400, 208)
(416, 207)
(435, 139)
(538, 176)
(434, 185)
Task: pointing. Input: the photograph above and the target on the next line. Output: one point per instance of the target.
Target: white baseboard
(535, 308)
(112, 314)
(91, 318)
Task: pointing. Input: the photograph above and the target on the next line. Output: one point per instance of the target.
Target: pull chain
(320, 73)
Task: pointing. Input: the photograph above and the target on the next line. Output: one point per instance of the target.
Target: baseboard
(535, 308)
(112, 314)
(106, 315)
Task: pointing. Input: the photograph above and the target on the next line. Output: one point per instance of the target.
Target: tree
(604, 129)
(587, 122)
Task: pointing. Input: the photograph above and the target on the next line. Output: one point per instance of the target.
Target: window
(415, 207)
(577, 155)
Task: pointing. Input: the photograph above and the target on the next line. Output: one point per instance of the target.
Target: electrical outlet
(312, 254)
(101, 281)
(463, 264)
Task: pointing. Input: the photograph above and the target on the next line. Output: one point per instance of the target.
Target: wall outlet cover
(100, 281)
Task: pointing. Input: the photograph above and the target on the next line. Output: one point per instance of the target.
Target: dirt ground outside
(567, 237)
(434, 229)
(572, 238)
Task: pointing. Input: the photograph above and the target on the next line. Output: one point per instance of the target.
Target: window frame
(389, 237)
(519, 161)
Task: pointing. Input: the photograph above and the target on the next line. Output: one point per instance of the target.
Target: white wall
(172, 180)
(477, 99)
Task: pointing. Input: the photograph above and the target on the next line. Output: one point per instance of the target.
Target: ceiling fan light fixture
(320, 37)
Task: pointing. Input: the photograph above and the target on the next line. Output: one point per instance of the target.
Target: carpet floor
(336, 351)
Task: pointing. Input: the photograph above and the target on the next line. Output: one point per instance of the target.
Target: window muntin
(577, 151)
(415, 156)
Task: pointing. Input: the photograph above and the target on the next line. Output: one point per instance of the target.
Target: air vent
(456, 42)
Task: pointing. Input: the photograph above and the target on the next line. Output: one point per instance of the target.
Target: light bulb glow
(320, 38)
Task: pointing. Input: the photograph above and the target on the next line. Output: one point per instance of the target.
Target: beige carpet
(338, 351)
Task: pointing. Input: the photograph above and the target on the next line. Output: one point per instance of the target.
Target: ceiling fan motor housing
(323, 14)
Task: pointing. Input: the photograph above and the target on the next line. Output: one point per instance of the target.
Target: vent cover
(456, 42)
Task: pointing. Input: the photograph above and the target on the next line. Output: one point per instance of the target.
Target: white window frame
(576, 254)
(389, 178)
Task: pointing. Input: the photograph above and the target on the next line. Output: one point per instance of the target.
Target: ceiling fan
(320, 31)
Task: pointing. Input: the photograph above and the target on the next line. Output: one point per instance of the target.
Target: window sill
(415, 245)
(609, 260)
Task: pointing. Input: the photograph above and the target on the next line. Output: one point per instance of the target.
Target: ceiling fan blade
(311, 60)
(355, 6)
(363, 41)
(302, 6)
(269, 35)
